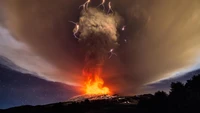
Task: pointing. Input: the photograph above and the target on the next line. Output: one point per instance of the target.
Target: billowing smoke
(162, 39)
(98, 35)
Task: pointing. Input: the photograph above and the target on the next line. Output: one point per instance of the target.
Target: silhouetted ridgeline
(183, 98)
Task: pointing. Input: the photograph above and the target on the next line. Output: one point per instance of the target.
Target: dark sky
(23, 89)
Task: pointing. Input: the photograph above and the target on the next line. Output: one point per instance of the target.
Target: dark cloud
(50, 31)
(1, 15)
(163, 37)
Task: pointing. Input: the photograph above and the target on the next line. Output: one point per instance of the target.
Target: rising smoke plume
(162, 38)
(98, 35)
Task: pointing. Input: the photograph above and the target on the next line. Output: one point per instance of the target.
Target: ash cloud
(98, 34)
(162, 38)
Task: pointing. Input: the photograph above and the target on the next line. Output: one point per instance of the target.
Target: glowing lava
(95, 84)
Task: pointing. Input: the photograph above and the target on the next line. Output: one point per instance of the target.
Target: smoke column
(97, 35)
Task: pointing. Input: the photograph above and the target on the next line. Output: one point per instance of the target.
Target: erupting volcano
(97, 32)
(95, 84)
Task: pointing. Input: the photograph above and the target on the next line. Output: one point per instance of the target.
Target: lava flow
(94, 84)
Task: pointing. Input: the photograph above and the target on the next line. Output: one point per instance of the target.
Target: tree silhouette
(160, 102)
(194, 84)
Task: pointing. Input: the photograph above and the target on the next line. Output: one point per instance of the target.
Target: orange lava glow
(95, 84)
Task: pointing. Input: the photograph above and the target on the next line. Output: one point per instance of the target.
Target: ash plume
(98, 34)
(162, 39)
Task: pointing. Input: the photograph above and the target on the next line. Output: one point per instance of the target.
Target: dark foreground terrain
(183, 98)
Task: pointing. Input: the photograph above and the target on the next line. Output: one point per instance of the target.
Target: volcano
(94, 97)
(83, 104)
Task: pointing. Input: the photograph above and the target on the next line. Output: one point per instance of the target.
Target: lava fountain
(94, 83)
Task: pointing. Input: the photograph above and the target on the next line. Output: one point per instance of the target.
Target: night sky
(24, 89)
(42, 62)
